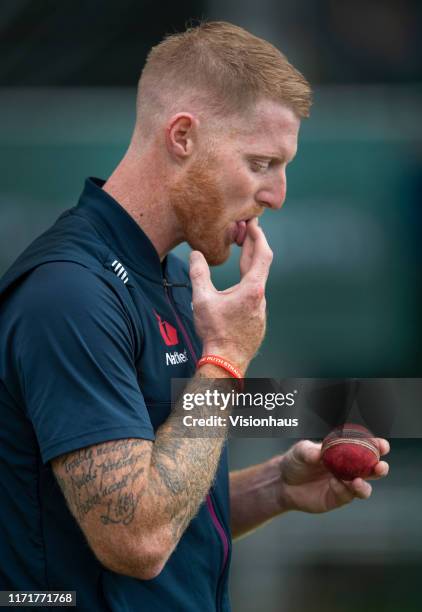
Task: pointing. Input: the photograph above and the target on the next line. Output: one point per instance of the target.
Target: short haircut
(221, 68)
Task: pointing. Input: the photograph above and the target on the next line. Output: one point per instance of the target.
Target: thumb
(199, 273)
(307, 452)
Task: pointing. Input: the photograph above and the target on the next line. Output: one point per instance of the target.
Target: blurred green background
(344, 294)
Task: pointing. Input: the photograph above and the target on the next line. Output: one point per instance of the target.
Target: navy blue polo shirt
(93, 327)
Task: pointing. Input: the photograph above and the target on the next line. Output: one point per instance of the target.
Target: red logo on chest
(167, 331)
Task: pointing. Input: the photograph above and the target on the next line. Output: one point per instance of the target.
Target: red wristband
(222, 363)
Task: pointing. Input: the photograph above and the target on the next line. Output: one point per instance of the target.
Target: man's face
(243, 174)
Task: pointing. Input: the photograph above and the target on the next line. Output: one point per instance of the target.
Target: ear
(181, 135)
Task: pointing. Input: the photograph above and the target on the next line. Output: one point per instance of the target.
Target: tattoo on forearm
(158, 485)
(106, 476)
(184, 468)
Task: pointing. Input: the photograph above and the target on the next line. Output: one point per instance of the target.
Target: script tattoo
(104, 476)
(154, 489)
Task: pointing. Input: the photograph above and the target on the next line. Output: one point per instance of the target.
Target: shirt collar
(120, 231)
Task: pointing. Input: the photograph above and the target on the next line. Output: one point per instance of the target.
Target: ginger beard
(198, 205)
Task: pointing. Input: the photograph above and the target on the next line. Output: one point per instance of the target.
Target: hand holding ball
(350, 452)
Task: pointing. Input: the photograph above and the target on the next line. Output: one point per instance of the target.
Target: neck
(141, 188)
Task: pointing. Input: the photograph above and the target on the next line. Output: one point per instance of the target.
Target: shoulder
(64, 283)
(70, 317)
(59, 294)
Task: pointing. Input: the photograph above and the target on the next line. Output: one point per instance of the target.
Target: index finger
(261, 256)
(247, 250)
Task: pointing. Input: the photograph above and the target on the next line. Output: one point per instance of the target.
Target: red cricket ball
(350, 452)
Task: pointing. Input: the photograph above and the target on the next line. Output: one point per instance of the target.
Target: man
(100, 493)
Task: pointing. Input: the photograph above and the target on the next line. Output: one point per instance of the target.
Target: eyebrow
(277, 156)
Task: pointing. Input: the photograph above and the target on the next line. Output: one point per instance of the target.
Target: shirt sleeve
(74, 349)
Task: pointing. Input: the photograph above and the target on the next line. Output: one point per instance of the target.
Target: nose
(273, 194)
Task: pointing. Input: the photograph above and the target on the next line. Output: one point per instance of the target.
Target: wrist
(209, 370)
(234, 357)
(222, 363)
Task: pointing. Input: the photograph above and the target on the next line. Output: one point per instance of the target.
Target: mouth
(239, 231)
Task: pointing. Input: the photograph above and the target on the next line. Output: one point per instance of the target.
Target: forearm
(255, 496)
(133, 498)
(182, 469)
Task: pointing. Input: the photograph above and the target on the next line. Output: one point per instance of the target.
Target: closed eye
(260, 165)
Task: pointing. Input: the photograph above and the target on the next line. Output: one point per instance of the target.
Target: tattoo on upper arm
(104, 476)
